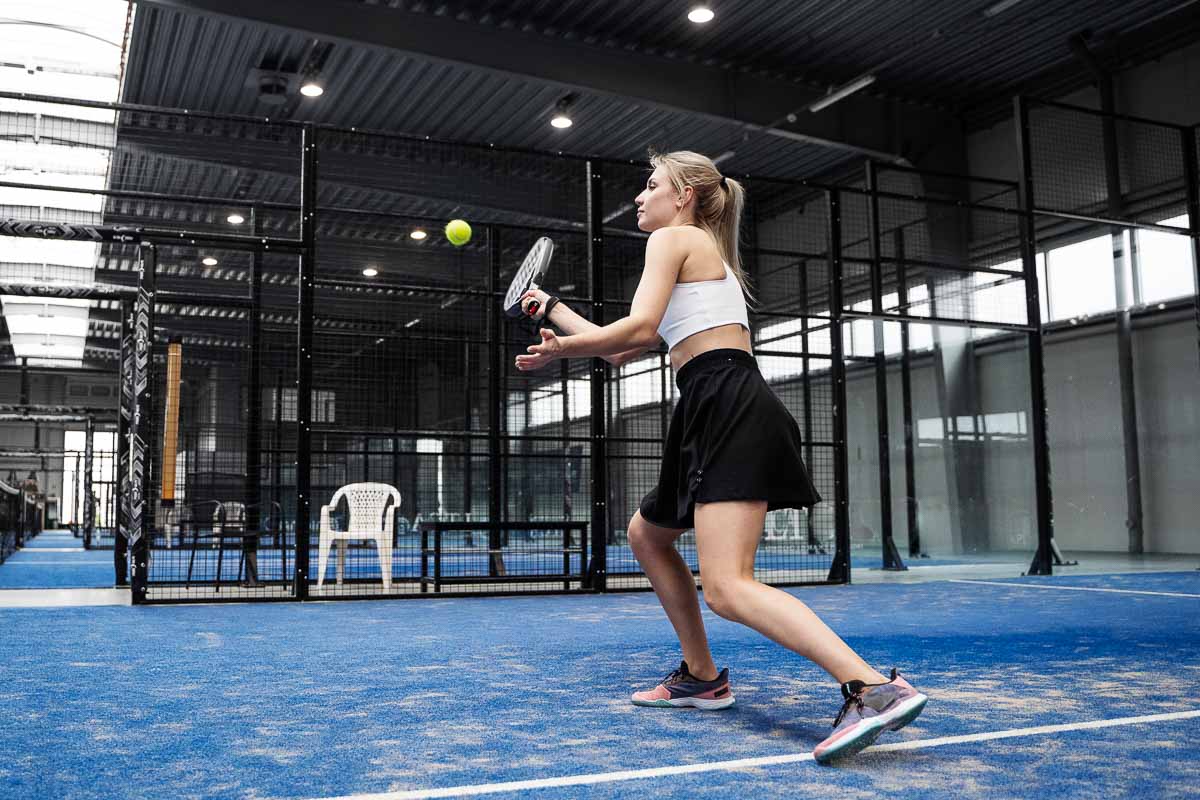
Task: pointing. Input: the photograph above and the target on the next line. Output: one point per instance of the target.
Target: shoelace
(852, 699)
(675, 676)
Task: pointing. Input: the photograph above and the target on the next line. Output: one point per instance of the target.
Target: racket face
(530, 275)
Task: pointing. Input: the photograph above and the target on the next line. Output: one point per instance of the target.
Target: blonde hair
(719, 202)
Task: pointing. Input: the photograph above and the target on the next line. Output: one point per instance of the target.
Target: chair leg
(341, 560)
(220, 558)
(384, 546)
(323, 558)
(191, 560)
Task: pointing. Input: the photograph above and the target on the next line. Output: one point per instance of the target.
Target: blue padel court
(406, 399)
(1037, 687)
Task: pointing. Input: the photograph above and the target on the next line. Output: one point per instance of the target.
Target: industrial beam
(862, 124)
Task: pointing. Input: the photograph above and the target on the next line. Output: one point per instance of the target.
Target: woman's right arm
(569, 322)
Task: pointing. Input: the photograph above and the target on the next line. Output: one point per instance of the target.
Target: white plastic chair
(371, 517)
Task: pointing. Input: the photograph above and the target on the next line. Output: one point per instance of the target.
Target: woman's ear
(686, 196)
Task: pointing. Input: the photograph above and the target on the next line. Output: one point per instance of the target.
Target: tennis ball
(458, 232)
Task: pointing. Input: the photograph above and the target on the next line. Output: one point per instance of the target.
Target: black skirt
(730, 439)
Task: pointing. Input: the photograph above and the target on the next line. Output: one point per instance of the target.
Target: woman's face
(657, 205)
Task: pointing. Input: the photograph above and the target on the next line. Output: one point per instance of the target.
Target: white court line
(52, 550)
(764, 761)
(24, 563)
(1073, 588)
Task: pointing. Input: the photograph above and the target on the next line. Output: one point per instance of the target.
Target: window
(1165, 264)
(324, 405)
(1081, 279)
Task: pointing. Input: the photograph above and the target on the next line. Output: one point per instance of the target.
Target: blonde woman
(732, 452)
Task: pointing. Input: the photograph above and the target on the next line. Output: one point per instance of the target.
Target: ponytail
(720, 201)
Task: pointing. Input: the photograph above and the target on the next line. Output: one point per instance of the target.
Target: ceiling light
(208, 261)
(999, 8)
(370, 272)
(842, 92)
(703, 14)
(562, 116)
(312, 89)
(410, 323)
(418, 234)
(236, 219)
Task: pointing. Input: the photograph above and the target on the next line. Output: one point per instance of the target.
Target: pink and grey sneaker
(869, 710)
(681, 688)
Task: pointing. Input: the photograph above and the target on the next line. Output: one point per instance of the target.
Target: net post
(89, 507)
(140, 511)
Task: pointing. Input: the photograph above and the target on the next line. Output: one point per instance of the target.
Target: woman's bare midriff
(724, 336)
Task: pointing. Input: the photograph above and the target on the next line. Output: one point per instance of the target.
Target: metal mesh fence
(1070, 152)
(413, 379)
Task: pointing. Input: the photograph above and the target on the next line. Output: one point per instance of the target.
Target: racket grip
(532, 310)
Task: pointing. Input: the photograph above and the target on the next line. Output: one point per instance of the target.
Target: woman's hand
(529, 297)
(551, 348)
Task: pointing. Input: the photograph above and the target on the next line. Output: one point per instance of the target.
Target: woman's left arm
(665, 253)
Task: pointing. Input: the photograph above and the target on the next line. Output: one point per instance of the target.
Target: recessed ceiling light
(370, 272)
(418, 234)
(209, 261)
(236, 219)
(701, 15)
(562, 121)
(311, 89)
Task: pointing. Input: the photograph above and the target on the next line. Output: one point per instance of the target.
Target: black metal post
(496, 351)
(140, 512)
(910, 470)
(304, 318)
(89, 506)
(254, 419)
(598, 569)
(839, 570)
(1041, 564)
(813, 543)
(468, 445)
(1192, 177)
(891, 556)
(124, 419)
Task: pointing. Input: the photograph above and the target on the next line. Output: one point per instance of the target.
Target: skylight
(58, 48)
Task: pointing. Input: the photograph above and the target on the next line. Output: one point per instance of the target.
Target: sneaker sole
(685, 702)
(893, 720)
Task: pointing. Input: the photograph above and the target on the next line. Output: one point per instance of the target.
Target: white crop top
(700, 305)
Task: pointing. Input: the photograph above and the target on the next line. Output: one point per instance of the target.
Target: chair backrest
(368, 503)
(230, 512)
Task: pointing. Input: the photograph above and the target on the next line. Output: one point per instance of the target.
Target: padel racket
(529, 276)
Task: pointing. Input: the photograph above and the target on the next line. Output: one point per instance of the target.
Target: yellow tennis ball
(458, 232)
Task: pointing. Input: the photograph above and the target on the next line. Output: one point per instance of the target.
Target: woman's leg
(727, 535)
(654, 547)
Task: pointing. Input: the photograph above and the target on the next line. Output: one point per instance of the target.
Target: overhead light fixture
(370, 272)
(209, 261)
(312, 89)
(562, 112)
(999, 8)
(235, 219)
(841, 93)
(701, 15)
(418, 234)
(412, 322)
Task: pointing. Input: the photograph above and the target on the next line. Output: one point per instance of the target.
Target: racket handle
(532, 310)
